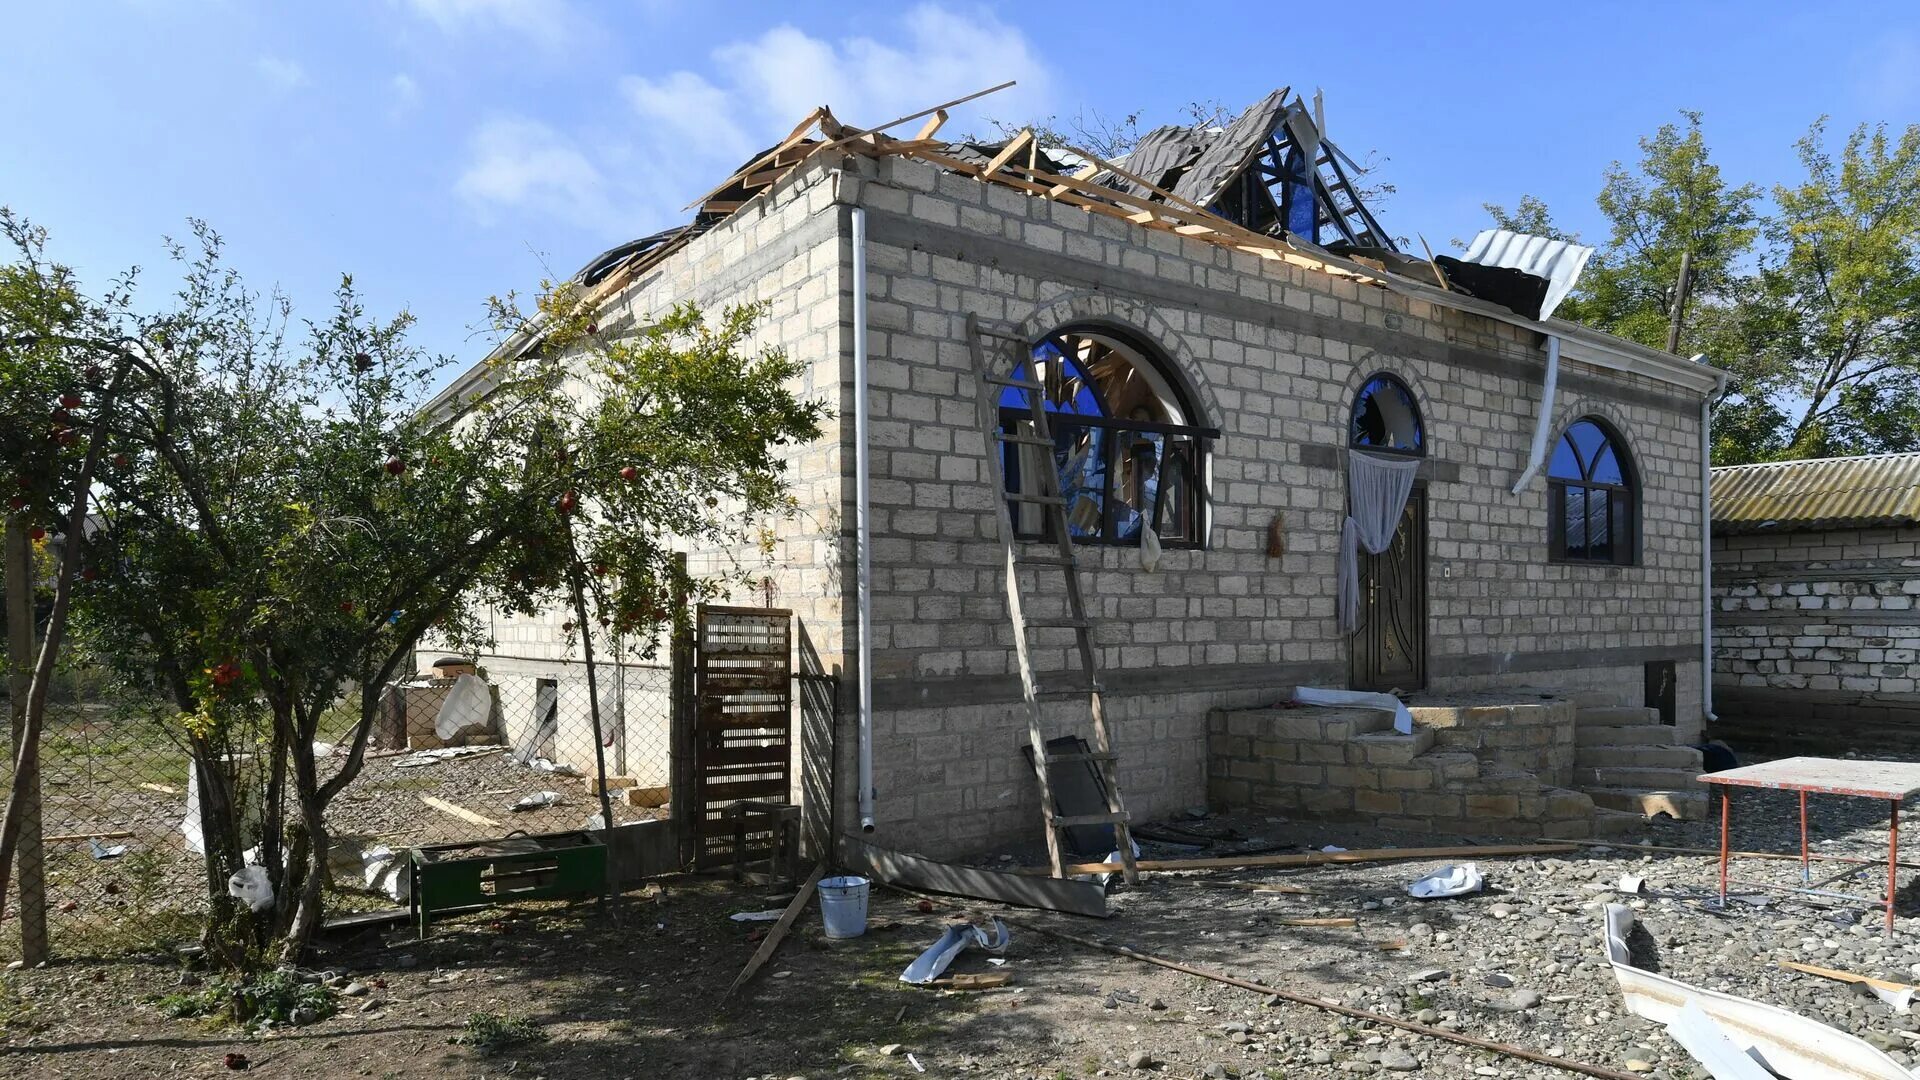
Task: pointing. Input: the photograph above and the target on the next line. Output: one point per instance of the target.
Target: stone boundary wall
(1817, 639)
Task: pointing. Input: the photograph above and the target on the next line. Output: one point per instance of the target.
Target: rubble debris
(1448, 881)
(1319, 858)
(956, 940)
(539, 800)
(1785, 1042)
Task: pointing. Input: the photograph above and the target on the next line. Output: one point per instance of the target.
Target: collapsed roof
(1270, 183)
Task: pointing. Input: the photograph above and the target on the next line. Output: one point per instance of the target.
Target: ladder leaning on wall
(1004, 358)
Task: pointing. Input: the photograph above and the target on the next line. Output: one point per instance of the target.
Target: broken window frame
(1182, 448)
(1366, 391)
(1622, 500)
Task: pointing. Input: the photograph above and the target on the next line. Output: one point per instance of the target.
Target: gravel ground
(1521, 963)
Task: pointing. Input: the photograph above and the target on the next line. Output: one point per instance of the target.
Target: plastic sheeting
(955, 941)
(468, 708)
(1377, 491)
(1358, 699)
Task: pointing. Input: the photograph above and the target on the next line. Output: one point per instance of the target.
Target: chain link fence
(457, 753)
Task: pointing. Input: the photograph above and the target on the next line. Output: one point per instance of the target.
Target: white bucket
(843, 906)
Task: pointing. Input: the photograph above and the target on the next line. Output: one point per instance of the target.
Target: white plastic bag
(251, 887)
(1149, 550)
(1448, 881)
(468, 707)
(387, 872)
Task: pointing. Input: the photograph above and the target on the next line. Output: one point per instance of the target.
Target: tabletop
(1829, 776)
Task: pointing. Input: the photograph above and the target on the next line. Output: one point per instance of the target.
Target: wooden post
(681, 713)
(20, 648)
(1680, 290)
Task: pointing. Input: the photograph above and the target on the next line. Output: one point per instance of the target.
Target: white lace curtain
(1377, 491)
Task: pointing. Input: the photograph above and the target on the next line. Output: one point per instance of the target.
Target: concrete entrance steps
(1626, 761)
(1451, 775)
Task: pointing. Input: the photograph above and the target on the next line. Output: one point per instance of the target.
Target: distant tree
(1830, 326)
(1530, 216)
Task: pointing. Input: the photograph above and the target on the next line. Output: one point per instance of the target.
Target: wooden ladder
(1003, 358)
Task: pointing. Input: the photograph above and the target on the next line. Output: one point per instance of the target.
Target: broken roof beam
(1014, 145)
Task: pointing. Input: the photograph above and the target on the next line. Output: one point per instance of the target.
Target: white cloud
(690, 106)
(284, 74)
(547, 22)
(526, 164)
(684, 130)
(403, 96)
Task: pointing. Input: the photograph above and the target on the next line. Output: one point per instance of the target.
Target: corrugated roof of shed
(1821, 493)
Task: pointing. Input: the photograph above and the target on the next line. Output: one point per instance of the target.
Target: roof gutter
(1543, 424)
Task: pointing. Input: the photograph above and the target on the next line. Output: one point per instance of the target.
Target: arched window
(1592, 505)
(1386, 417)
(1127, 447)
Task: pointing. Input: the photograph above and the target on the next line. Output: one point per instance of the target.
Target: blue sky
(445, 150)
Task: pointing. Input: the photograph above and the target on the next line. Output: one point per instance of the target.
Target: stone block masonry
(1817, 640)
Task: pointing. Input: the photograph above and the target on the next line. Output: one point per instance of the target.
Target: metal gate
(743, 723)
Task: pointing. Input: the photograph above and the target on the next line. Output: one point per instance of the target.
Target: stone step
(1392, 748)
(1310, 722)
(1614, 716)
(1641, 757)
(1586, 699)
(1498, 781)
(1625, 735)
(1611, 824)
(1682, 805)
(1632, 776)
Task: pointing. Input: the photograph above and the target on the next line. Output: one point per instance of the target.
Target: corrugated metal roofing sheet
(1558, 261)
(1881, 489)
(1232, 150)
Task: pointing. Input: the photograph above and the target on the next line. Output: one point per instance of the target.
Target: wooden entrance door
(1390, 648)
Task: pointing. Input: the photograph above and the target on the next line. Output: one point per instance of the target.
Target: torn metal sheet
(1557, 262)
(1707, 1041)
(1785, 1042)
(929, 965)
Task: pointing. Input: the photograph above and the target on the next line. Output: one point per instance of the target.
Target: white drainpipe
(1543, 425)
(1706, 543)
(862, 517)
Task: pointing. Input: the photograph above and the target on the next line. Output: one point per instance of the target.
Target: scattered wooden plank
(779, 931)
(1306, 921)
(1844, 976)
(1397, 945)
(460, 812)
(986, 981)
(942, 107)
(917, 872)
(614, 783)
(1320, 858)
(83, 837)
(164, 789)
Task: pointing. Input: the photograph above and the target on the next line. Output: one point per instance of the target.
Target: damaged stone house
(1222, 332)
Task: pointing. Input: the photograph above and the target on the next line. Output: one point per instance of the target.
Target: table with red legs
(1892, 781)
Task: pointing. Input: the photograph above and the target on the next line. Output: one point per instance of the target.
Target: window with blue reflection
(1127, 451)
(1591, 497)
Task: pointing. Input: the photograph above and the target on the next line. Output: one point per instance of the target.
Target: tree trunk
(306, 914)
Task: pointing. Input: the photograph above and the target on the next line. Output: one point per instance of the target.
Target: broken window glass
(1590, 497)
(1386, 417)
(1125, 451)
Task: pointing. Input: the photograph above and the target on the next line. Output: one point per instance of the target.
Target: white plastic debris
(1631, 884)
(1358, 699)
(1448, 881)
(768, 915)
(101, 851)
(595, 823)
(928, 966)
(1331, 849)
(548, 765)
(250, 886)
(539, 800)
(468, 707)
(387, 872)
(1900, 1001)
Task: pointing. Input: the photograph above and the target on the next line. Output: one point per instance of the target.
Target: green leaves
(1814, 307)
